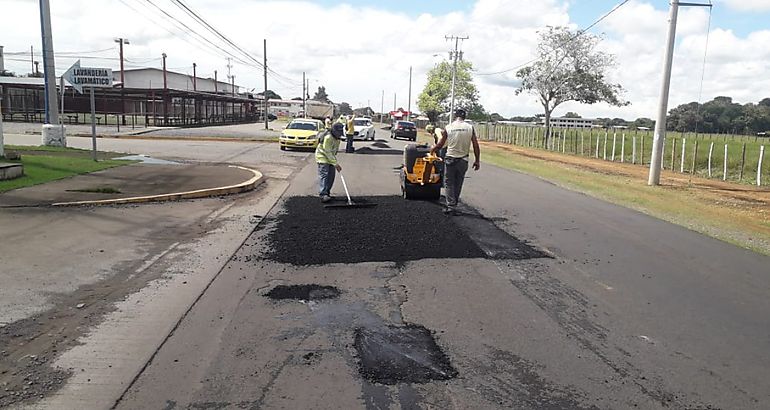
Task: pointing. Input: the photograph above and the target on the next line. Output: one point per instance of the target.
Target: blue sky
(582, 12)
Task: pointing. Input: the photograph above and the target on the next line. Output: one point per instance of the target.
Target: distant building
(285, 108)
(565, 122)
(152, 79)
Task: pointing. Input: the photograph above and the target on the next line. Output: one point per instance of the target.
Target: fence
(732, 158)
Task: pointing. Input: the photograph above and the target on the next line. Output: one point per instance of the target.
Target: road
(602, 307)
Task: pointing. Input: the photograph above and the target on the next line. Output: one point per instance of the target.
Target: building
(148, 97)
(152, 79)
(568, 122)
(285, 108)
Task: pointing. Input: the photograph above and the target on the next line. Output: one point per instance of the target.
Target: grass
(743, 221)
(45, 164)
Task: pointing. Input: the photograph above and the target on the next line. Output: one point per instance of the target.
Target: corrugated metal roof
(22, 80)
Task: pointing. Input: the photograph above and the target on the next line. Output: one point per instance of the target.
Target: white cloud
(748, 5)
(356, 52)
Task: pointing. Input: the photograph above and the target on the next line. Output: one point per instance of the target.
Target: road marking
(604, 285)
(154, 259)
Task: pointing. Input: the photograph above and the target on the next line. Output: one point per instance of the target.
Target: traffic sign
(80, 77)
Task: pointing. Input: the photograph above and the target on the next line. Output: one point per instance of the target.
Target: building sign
(80, 77)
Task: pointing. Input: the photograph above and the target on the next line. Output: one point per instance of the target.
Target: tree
(572, 115)
(435, 98)
(271, 95)
(569, 68)
(345, 109)
(643, 123)
(321, 95)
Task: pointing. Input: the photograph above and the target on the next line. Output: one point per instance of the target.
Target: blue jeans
(326, 173)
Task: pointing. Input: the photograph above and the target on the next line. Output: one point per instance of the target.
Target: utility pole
(264, 66)
(304, 106)
(409, 104)
(52, 131)
(454, 56)
(660, 124)
(215, 82)
(121, 41)
(382, 108)
(394, 101)
(195, 87)
(32, 59)
(165, 91)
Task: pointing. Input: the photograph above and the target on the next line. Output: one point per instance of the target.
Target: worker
(350, 130)
(326, 157)
(437, 133)
(328, 123)
(458, 138)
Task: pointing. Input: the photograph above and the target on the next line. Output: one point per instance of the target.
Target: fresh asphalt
(629, 312)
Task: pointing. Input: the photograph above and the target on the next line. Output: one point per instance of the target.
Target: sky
(362, 50)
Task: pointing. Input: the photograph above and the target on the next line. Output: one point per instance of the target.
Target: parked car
(301, 133)
(363, 129)
(404, 129)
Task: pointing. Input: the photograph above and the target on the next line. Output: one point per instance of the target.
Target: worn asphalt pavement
(617, 310)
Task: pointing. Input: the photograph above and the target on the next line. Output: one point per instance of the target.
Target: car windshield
(405, 124)
(302, 126)
(361, 122)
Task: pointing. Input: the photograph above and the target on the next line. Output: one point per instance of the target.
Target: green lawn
(39, 169)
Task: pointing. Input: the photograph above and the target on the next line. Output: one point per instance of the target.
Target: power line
(578, 34)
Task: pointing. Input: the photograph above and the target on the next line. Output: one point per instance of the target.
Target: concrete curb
(175, 196)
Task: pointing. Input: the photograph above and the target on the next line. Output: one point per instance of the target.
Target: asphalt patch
(495, 242)
(401, 354)
(379, 144)
(394, 231)
(303, 292)
(379, 151)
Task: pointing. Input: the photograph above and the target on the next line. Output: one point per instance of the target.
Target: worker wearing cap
(326, 157)
(328, 123)
(350, 130)
(458, 138)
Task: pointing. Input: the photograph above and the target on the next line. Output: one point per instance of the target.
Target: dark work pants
(454, 175)
(349, 144)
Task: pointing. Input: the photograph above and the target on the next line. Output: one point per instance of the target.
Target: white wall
(153, 79)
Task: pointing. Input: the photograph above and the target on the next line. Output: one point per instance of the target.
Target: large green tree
(435, 98)
(569, 68)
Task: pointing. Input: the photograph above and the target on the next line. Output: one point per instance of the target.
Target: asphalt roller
(421, 176)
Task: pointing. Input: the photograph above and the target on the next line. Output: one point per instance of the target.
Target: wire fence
(733, 158)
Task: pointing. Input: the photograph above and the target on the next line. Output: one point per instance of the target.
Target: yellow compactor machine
(421, 174)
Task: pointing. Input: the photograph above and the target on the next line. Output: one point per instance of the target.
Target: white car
(364, 129)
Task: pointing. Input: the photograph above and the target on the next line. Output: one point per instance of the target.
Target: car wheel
(283, 148)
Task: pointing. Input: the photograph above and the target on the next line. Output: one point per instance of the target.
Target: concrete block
(54, 135)
(10, 171)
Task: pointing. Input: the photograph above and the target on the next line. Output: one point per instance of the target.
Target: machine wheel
(283, 148)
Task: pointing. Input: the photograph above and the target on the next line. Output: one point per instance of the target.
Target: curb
(175, 196)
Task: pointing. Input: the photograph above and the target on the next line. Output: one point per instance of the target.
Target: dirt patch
(395, 230)
(401, 354)
(303, 292)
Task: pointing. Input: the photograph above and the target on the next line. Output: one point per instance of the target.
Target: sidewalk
(137, 182)
(247, 132)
